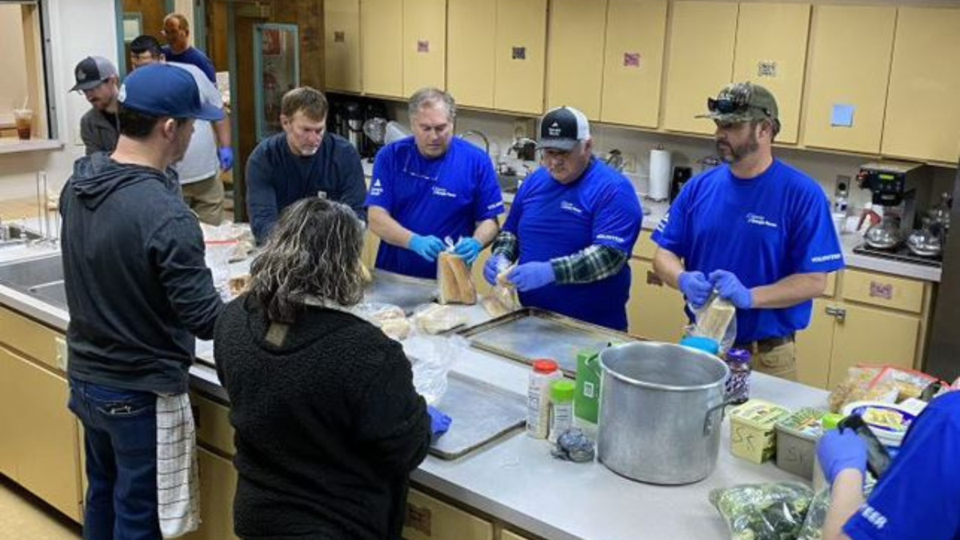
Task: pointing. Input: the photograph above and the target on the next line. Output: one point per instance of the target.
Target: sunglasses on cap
(736, 104)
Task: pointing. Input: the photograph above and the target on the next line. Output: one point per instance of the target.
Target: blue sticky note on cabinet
(842, 116)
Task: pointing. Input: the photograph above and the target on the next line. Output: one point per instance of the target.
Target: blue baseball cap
(165, 90)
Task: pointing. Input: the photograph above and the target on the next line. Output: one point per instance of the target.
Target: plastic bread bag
(906, 382)
(854, 387)
(503, 298)
(717, 320)
(436, 319)
(431, 360)
(763, 511)
(454, 278)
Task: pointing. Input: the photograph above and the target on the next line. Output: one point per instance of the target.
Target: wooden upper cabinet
(923, 105)
(424, 44)
(633, 62)
(471, 49)
(700, 61)
(342, 45)
(521, 39)
(849, 73)
(771, 51)
(381, 47)
(575, 55)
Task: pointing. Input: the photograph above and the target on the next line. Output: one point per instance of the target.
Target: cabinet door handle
(837, 313)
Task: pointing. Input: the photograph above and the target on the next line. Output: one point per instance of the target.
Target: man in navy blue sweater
(303, 161)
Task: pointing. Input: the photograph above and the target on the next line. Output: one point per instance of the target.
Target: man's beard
(737, 154)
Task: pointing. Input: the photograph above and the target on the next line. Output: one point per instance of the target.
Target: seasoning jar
(538, 397)
(561, 407)
(738, 385)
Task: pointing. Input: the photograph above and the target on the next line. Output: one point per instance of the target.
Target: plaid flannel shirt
(592, 263)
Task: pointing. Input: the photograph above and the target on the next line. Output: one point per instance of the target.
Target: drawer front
(430, 519)
(213, 424)
(645, 248)
(30, 338)
(883, 291)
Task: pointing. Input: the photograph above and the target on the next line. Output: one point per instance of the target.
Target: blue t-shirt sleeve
(919, 496)
(381, 185)
(671, 233)
(488, 203)
(617, 219)
(814, 246)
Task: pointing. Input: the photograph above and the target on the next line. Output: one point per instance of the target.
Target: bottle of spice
(561, 407)
(538, 397)
(738, 385)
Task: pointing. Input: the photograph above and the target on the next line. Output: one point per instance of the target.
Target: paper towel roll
(659, 175)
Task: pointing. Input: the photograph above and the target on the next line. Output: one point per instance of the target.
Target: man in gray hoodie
(138, 292)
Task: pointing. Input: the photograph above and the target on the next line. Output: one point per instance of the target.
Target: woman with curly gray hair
(328, 424)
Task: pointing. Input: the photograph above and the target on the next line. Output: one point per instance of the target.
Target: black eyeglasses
(419, 175)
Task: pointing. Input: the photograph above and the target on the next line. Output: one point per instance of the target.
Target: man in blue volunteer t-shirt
(918, 498)
(756, 230)
(430, 187)
(571, 229)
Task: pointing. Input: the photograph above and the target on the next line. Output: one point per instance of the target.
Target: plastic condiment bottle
(561, 407)
(538, 397)
(738, 385)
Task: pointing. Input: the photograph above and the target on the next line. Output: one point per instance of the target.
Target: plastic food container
(753, 430)
(889, 422)
(797, 437)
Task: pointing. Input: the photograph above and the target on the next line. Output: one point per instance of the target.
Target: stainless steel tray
(530, 334)
(481, 414)
(403, 291)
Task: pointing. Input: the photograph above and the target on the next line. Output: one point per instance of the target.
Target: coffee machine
(347, 116)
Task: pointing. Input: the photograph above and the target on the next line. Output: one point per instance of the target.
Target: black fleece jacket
(138, 290)
(328, 425)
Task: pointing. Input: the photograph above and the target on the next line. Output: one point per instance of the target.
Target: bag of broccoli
(763, 511)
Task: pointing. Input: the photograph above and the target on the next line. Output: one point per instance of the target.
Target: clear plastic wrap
(431, 360)
(763, 511)
(240, 233)
(716, 320)
(436, 319)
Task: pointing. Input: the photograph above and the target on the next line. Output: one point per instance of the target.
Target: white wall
(78, 28)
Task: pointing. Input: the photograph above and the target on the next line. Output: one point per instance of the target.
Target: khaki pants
(205, 198)
(779, 361)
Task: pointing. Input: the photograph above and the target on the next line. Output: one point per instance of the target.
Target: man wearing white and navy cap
(138, 292)
(98, 80)
(571, 229)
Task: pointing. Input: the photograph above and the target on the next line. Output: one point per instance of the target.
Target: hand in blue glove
(729, 288)
(492, 269)
(427, 247)
(838, 451)
(468, 249)
(532, 275)
(439, 422)
(225, 153)
(695, 287)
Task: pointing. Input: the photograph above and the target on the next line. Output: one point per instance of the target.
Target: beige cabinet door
(471, 51)
(9, 420)
(218, 484)
(874, 336)
(633, 62)
(815, 346)
(521, 37)
(654, 311)
(381, 47)
(849, 70)
(772, 52)
(923, 109)
(342, 45)
(700, 61)
(424, 44)
(428, 518)
(575, 55)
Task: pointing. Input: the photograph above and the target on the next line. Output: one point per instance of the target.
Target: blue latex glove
(468, 249)
(492, 268)
(427, 247)
(439, 422)
(838, 451)
(225, 153)
(695, 287)
(532, 275)
(729, 288)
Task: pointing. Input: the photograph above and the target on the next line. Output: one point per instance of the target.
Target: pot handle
(708, 422)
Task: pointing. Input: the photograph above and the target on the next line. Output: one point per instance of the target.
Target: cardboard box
(753, 430)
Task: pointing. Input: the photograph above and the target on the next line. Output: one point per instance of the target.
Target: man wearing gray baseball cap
(97, 79)
(138, 292)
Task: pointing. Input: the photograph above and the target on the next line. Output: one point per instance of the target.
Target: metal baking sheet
(403, 291)
(530, 333)
(481, 413)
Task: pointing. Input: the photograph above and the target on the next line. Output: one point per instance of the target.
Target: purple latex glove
(468, 249)
(439, 422)
(532, 275)
(729, 288)
(492, 268)
(428, 247)
(695, 287)
(225, 154)
(838, 451)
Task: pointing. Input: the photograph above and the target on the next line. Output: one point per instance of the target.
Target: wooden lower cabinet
(431, 519)
(218, 484)
(655, 310)
(815, 346)
(872, 336)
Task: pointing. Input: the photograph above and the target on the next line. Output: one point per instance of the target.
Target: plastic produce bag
(763, 511)
(431, 360)
(716, 320)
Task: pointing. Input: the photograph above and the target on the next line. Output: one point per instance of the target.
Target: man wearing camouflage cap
(755, 229)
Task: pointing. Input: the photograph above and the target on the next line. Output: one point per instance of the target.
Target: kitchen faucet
(486, 141)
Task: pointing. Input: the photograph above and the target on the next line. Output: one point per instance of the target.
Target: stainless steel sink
(42, 278)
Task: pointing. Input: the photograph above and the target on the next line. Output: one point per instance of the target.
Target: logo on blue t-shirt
(570, 207)
(376, 189)
(757, 219)
(442, 192)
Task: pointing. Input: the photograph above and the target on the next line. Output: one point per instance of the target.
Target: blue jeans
(120, 439)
